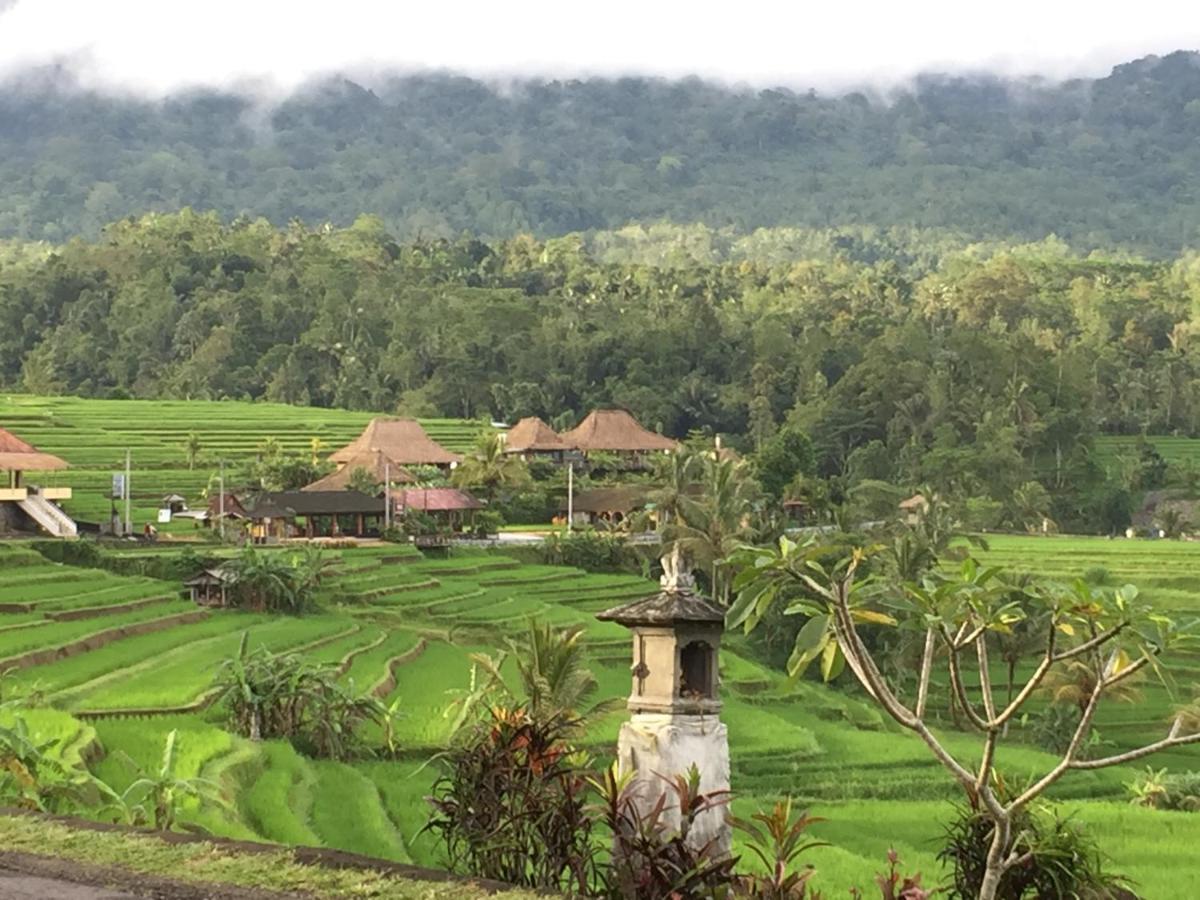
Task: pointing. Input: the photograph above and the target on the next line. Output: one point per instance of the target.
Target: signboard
(118, 486)
(164, 516)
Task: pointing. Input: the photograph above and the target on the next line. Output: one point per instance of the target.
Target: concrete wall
(12, 519)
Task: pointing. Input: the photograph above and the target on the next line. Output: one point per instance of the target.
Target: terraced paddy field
(1175, 450)
(93, 435)
(402, 626)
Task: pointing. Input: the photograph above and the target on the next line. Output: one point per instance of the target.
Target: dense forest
(987, 372)
(1101, 163)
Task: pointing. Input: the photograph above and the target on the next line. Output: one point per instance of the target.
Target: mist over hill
(1106, 162)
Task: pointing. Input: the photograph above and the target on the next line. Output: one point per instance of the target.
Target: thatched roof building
(436, 499)
(616, 431)
(403, 441)
(18, 456)
(532, 435)
(380, 467)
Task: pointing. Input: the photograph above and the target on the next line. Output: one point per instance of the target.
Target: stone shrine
(674, 696)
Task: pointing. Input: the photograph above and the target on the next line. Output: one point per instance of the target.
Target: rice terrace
(600, 452)
(116, 659)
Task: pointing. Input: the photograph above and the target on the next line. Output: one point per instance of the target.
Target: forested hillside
(992, 369)
(1108, 162)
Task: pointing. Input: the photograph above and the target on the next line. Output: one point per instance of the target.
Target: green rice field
(402, 625)
(93, 436)
(133, 660)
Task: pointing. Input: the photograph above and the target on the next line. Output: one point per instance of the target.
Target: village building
(310, 514)
(450, 506)
(607, 505)
(402, 442)
(534, 439)
(28, 507)
(210, 587)
(376, 463)
(616, 431)
(230, 507)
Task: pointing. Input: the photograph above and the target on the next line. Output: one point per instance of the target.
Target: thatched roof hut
(616, 431)
(380, 467)
(437, 499)
(532, 435)
(18, 456)
(403, 441)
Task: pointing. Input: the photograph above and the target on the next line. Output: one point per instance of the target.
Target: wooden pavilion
(210, 587)
(616, 431)
(401, 441)
(338, 513)
(531, 438)
(25, 507)
(609, 505)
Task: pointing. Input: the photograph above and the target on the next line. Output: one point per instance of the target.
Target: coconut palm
(677, 475)
(489, 469)
(1074, 682)
(714, 524)
(191, 449)
(555, 682)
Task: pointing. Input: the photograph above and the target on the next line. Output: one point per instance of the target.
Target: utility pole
(387, 495)
(128, 494)
(570, 495)
(221, 502)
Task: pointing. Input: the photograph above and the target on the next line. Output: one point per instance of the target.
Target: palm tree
(191, 449)
(1074, 681)
(677, 474)
(710, 527)
(554, 679)
(489, 468)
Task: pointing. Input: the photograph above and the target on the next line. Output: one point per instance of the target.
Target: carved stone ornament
(677, 574)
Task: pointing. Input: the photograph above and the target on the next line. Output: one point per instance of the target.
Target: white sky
(159, 45)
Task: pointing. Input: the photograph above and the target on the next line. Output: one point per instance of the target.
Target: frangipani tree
(1109, 631)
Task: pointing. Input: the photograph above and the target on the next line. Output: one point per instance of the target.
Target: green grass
(206, 863)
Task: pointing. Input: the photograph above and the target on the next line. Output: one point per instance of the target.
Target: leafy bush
(590, 551)
(652, 856)
(1058, 858)
(531, 506)
(282, 695)
(1159, 790)
(511, 804)
(487, 522)
(777, 839)
(1098, 576)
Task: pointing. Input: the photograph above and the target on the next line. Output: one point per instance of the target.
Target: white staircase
(49, 517)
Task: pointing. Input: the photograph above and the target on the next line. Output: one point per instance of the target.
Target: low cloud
(154, 47)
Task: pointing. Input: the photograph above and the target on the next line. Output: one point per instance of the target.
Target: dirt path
(24, 876)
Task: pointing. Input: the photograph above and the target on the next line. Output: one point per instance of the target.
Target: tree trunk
(990, 885)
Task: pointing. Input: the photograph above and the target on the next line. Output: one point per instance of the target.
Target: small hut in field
(377, 464)
(211, 587)
(532, 438)
(616, 431)
(401, 441)
(25, 507)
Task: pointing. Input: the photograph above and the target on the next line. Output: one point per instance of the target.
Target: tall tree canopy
(1098, 162)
